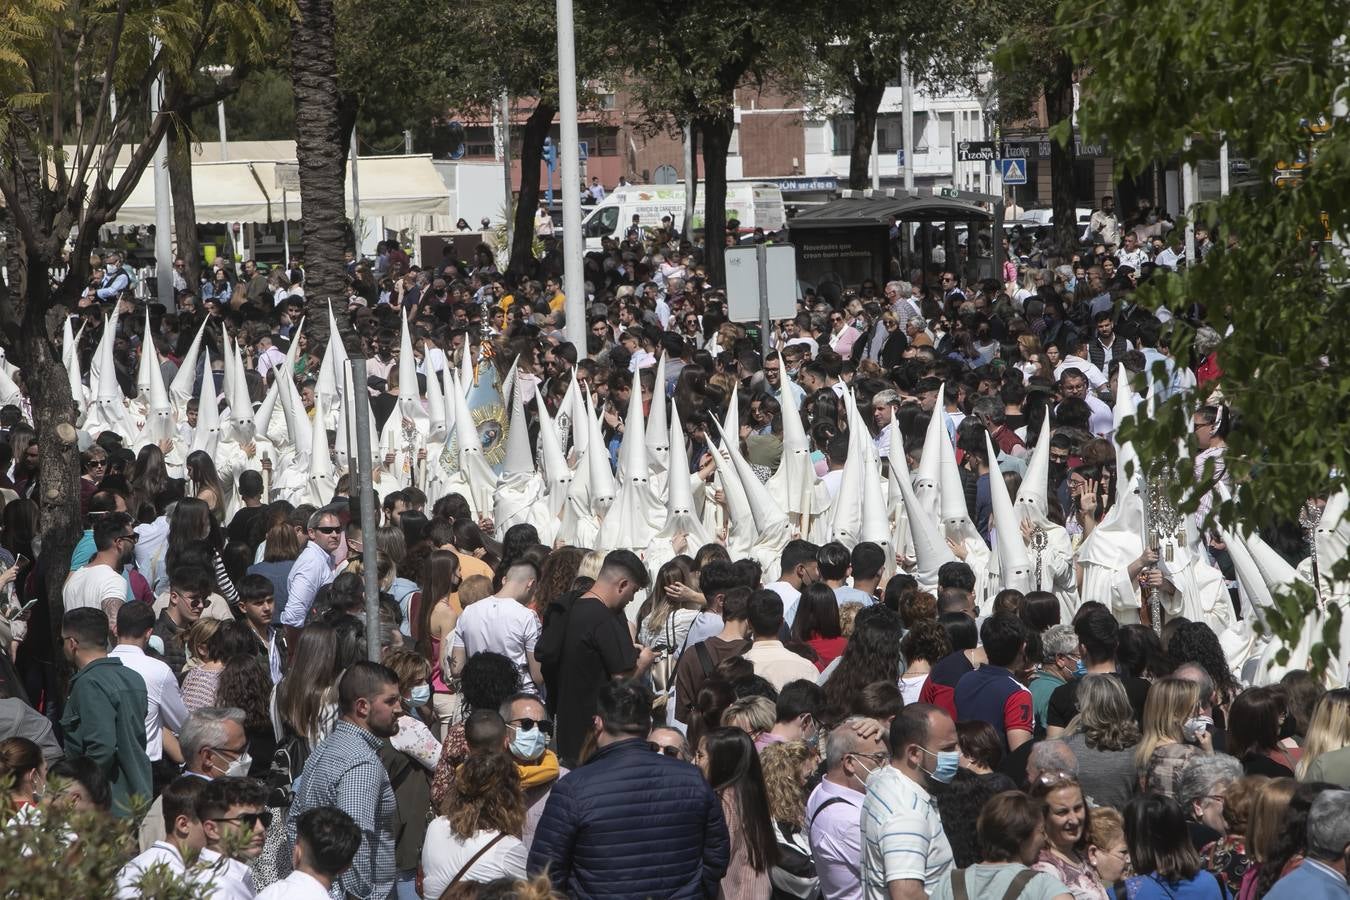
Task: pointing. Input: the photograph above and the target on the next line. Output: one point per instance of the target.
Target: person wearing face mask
(797, 714)
(905, 852)
(410, 757)
(214, 745)
(832, 809)
(527, 733)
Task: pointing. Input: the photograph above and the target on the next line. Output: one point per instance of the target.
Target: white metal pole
(356, 198)
(690, 184)
(1187, 202)
(163, 202)
(570, 162)
(1223, 169)
(506, 170)
(407, 141)
(907, 120)
(286, 228)
(220, 121)
(876, 159)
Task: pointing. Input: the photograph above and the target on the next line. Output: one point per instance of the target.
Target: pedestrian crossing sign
(1014, 171)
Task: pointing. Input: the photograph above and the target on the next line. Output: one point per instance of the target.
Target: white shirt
(295, 886)
(165, 700)
(312, 570)
(902, 835)
(160, 853)
(444, 854)
(90, 586)
(791, 597)
(230, 879)
(1093, 374)
(151, 549)
(500, 625)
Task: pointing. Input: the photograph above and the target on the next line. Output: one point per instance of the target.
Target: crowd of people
(884, 614)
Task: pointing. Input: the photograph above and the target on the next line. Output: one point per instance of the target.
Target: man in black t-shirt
(595, 647)
(1098, 637)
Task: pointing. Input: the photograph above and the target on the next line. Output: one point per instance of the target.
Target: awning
(246, 191)
(848, 211)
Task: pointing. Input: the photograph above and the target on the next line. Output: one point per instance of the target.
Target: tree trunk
(716, 134)
(323, 134)
(1058, 108)
(16, 271)
(867, 93)
(184, 207)
(531, 158)
(58, 494)
(690, 184)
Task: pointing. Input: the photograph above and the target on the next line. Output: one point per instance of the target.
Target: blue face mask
(529, 745)
(1079, 670)
(948, 761)
(421, 694)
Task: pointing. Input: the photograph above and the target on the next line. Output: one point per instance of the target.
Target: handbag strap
(959, 891)
(1019, 884)
(469, 865)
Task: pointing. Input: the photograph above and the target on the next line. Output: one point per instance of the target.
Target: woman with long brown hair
(479, 840)
(727, 758)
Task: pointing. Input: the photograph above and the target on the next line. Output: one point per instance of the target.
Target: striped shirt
(902, 835)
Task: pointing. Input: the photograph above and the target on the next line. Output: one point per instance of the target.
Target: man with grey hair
(883, 411)
(313, 568)
(214, 745)
(1192, 671)
(1323, 873)
(1059, 664)
(833, 810)
(1050, 756)
(1200, 790)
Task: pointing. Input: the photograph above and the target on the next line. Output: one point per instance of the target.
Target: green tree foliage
(1032, 62)
(687, 62)
(1271, 77)
(854, 50)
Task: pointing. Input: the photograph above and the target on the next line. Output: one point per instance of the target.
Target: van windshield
(602, 222)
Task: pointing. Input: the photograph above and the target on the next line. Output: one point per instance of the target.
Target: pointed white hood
(321, 482)
(930, 549)
(206, 436)
(180, 390)
(794, 482)
(519, 459)
(227, 374)
(241, 404)
(845, 513)
(330, 367)
(731, 425)
(1014, 563)
(159, 417)
(1033, 497)
(437, 428)
(149, 360)
(658, 435)
(409, 397)
(680, 514)
(474, 476)
(293, 351)
(928, 475)
(764, 510)
(603, 488)
(557, 472)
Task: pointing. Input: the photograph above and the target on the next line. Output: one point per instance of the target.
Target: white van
(755, 204)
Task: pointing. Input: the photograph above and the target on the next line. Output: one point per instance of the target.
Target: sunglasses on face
(251, 819)
(328, 529)
(543, 725)
(665, 751)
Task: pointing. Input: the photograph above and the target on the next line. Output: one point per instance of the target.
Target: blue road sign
(1014, 171)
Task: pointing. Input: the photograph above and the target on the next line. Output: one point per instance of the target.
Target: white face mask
(239, 768)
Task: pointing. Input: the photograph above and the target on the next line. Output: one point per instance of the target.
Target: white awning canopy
(245, 191)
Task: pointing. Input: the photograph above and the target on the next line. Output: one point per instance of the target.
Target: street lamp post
(220, 73)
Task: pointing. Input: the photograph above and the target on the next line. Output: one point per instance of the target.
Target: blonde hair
(199, 634)
(1329, 729)
(1104, 715)
(473, 589)
(782, 764)
(753, 715)
(1108, 827)
(590, 565)
(1266, 820)
(1171, 701)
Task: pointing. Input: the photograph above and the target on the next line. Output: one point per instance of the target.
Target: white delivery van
(755, 204)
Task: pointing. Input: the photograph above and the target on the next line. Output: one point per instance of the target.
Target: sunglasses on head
(250, 819)
(543, 725)
(667, 751)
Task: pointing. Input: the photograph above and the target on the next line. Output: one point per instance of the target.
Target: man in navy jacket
(631, 823)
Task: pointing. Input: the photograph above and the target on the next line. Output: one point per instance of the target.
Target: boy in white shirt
(182, 852)
(326, 839)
